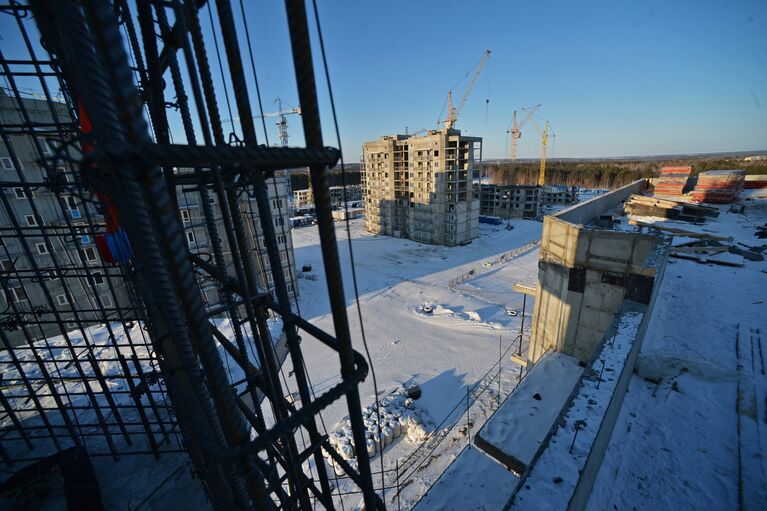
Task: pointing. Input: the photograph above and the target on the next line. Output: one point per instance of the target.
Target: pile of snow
(396, 417)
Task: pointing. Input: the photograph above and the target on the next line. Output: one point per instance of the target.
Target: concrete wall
(584, 276)
(587, 211)
(588, 477)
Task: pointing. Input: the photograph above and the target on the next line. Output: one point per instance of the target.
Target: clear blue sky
(615, 78)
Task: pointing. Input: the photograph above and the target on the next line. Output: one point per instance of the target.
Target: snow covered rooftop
(473, 481)
(517, 430)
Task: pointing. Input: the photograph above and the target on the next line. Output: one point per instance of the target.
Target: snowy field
(445, 352)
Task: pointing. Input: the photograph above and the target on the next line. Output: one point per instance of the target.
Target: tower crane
(453, 112)
(545, 134)
(282, 124)
(516, 129)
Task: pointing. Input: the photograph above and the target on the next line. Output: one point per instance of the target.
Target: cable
(349, 236)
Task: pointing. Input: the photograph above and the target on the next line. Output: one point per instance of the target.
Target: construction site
(181, 329)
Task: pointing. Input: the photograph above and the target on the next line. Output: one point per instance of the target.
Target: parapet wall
(585, 273)
(589, 210)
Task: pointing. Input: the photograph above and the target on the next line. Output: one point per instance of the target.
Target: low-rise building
(510, 201)
(560, 195)
(338, 195)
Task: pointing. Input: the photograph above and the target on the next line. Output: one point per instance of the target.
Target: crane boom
(296, 110)
(453, 112)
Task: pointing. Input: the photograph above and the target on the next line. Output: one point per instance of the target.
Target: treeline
(593, 174)
(600, 174)
(300, 180)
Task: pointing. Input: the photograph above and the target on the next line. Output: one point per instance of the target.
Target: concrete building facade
(56, 233)
(421, 187)
(198, 238)
(59, 222)
(509, 201)
(560, 195)
(338, 195)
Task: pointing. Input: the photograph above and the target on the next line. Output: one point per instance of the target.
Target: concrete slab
(514, 434)
(472, 481)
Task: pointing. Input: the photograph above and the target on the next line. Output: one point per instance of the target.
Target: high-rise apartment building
(421, 187)
(50, 223)
(198, 237)
(50, 265)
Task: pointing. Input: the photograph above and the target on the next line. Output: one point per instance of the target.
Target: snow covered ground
(445, 352)
(676, 442)
(449, 352)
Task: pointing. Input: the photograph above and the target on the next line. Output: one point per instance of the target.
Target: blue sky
(615, 78)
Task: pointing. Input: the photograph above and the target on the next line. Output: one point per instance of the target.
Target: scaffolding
(110, 342)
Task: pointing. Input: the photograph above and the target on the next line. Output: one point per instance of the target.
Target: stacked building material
(756, 182)
(672, 181)
(719, 186)
(639, 205)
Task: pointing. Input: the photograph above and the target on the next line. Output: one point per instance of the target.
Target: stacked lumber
(756, 182)
(672, 181)
(719, 186)
(639, 205)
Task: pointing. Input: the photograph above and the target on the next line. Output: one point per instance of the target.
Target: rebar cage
(147, 272)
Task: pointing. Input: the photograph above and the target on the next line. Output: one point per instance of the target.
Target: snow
(676, 443)
(553, 477)
(163, 482)
(517, 430)
(445, 352)
(473, 481)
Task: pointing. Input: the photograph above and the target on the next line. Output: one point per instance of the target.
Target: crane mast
(282, 127)
(452, 111)
(545, 133)
(544, 143)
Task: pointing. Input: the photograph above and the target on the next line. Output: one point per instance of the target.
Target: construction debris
(680, 232)
(719, 186)
(755, 182)
(747, 254)
(672, 181)
(640, 205)
(713, 251)
(724, 259)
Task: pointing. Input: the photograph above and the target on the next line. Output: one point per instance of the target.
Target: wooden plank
(525, 289)
(713, 250)
(681, 232)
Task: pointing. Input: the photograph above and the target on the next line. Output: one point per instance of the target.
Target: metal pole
(500, 366)
(307, 92)
(397, 472)
(468, 421)
(522, 324)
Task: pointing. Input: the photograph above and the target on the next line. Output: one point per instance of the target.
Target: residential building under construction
(338, 195)
(62, 230)
(420, 187)
(510, 201)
